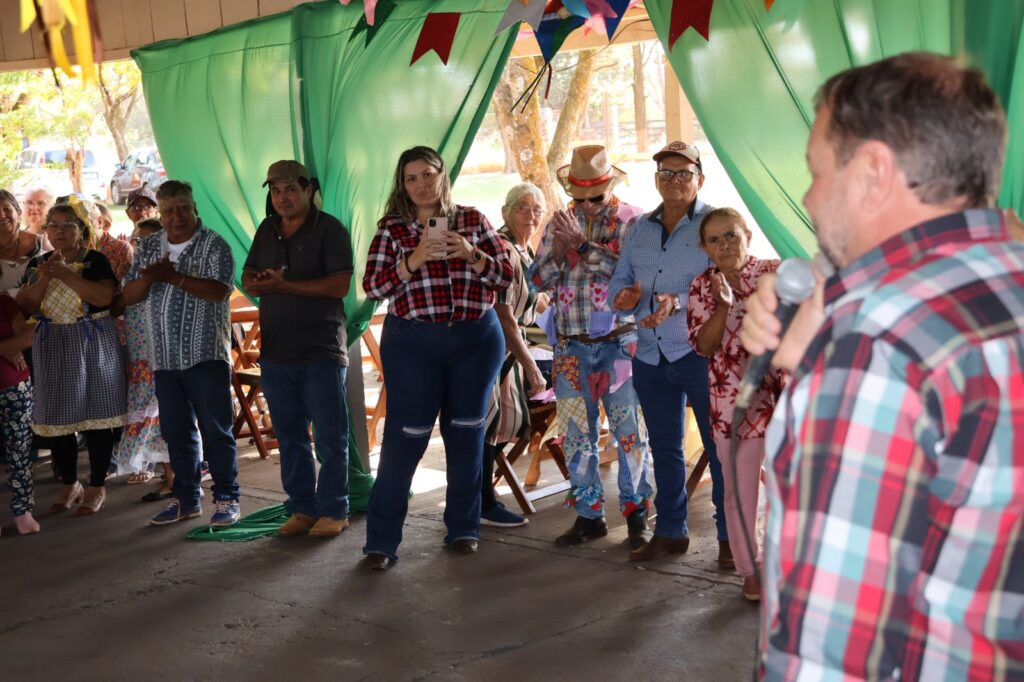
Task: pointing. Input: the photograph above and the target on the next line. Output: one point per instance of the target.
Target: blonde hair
(399, 202)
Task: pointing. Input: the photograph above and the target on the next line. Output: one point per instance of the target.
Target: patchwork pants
(586, 376)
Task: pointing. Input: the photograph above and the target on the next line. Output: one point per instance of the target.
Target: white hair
(517, 193)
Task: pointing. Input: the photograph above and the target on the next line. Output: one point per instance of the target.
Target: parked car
(46, 166)
(141, 167)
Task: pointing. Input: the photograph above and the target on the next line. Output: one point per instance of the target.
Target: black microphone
(794, 284)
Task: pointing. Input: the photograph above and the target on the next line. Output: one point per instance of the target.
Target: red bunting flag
(768, 4)
(437, 34)
(687, 13)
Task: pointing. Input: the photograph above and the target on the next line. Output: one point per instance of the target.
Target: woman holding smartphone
(439, 266)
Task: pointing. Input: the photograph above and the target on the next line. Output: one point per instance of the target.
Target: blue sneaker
(174, 512)
(501, 517)
(227, 514)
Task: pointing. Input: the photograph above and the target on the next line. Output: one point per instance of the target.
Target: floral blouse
(728, 363)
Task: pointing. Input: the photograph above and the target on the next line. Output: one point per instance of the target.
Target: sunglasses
(599, 199)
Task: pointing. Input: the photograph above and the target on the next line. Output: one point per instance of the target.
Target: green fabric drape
(752, 85)
(225, 105)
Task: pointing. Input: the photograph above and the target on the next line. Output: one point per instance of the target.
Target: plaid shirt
(896, 475)
(580, 286)
(442, 290)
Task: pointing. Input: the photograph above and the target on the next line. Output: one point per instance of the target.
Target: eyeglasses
(682, 175)
(599, 199)
(727, 238)
(69, 225)
(525, 208)
(137, 206)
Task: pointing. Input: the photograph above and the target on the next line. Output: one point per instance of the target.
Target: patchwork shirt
(895, 539)
(580, 285)
(187, 330)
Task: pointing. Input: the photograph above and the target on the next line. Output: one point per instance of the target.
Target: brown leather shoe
(465, 546)
(660, 546)
(725, 560)
(326, 527)
(379, 562)
(297, 524)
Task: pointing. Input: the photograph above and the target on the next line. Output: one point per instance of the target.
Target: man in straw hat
(660, 258)
(594, 347)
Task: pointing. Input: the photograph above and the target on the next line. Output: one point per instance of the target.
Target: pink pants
(750, 454)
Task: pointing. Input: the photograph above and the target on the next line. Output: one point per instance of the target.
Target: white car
(47, 167)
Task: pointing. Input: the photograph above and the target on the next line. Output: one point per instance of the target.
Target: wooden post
(678, 112)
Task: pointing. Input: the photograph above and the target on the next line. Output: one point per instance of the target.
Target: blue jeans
(298, 395)
(663, 390)
(586, 374)
(429, 369)
(202, 394)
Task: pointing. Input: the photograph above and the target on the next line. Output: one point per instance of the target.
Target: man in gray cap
(299, 266)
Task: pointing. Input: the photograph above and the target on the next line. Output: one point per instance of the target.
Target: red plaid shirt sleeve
(443, 290)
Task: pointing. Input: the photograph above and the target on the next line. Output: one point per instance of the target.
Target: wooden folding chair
(253, 419)
(376, 413)
(541, 416)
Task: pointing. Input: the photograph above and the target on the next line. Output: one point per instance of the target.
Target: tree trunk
(75, 159)
(639, 99)
(504, 129)
(524, 130)
(117, 110)
(576, 101)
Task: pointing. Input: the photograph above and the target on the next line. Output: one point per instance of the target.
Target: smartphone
(436, 227)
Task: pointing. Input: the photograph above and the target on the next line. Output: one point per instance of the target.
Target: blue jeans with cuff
(199, 395)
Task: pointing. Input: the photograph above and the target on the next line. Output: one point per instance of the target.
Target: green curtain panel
(752, 84)
(307, 84)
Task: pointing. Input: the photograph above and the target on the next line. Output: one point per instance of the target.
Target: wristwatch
(677, 306)
(583, 248)
(478, 256)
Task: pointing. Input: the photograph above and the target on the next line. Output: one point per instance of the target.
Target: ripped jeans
(432, 368)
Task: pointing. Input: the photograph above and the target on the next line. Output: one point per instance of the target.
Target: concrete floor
(108, 598)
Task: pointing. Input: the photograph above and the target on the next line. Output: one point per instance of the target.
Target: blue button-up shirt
(662, 268)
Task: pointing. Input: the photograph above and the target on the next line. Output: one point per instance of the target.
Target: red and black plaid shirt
(442, 290)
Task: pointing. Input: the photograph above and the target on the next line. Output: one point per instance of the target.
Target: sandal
(139, 478)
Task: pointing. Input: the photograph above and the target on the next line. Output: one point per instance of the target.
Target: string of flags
(552, 21)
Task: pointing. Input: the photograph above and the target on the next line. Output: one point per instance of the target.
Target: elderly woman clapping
(508, 416)
(79, 379)
(717, 304)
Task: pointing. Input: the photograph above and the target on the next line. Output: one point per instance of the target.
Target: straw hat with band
(589, 173)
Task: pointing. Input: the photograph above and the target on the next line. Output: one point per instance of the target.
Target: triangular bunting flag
(687, 13)
(555, 28)
(369, 10)
(611, 24)
(437, 34)
(530, 11)
(577, 7)
(600, 13)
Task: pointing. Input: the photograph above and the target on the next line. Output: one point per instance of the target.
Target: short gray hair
(517, 193)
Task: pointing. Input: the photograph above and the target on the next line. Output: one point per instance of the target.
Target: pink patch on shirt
(599, 294)
(565, 298)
